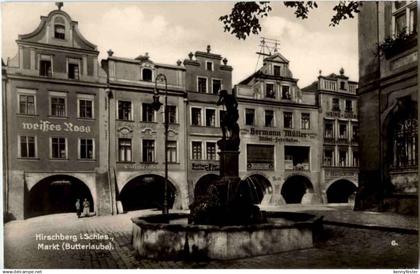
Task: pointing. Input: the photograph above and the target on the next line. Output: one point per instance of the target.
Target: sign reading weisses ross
(46, 126)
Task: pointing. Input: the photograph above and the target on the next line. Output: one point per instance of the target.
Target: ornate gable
(58, 29)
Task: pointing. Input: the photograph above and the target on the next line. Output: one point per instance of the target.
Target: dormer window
(343, 85)
(147, 74)
(276, 70)
(59, 32)
(209, 66)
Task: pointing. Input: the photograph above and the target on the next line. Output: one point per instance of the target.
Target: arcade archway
(202, 185)
(56, 194)
(146, 191)
(340, 191)
(294, 188)
(261, 188)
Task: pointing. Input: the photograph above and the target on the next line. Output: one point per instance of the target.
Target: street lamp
(156, 106)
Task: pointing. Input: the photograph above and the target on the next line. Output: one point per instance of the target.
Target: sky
(169, 30)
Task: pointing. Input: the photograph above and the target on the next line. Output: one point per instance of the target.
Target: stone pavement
(336, 247)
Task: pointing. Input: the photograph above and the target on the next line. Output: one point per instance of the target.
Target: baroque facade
(388, 112)
(74, 128)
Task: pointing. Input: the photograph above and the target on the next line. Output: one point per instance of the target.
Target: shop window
(211, 151)
(58, 148)
(296, 158)
(58, 106)
(249, 117)
(196, 151)
(269, 118)
(216, 86)
(149, 151)
(124, 149)
(285, 92)
(148, 113)
(306, 121)
(125, 111)
(172, 152)
(27, 147)
(86, 149)
(27, 104)
(202, 85)
(260, 157)
(288, 119)
(196, 116)
(269, 91)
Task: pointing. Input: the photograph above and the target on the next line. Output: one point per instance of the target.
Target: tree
(244, 18)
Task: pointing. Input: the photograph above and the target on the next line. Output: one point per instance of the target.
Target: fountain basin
(171, 237)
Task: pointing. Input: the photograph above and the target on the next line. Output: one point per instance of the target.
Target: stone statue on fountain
(229, 201)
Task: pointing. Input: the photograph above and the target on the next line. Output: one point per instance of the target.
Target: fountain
(225, 223)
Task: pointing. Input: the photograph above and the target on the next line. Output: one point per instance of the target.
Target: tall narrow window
(124, 110)
(27, 147)
(124, 149)
(86, 149)
(349, 107)
(288, 119)
(328, 157)
(343, 85)
(269, 91)
(148, 151)
(58, 106)
(249, 117)
(335, 104)
(58, 148)
(202, 85)
(211, 151)
(148, 113)
(171, 114)
(342, 158)
(329, 129)
(276, 70)
(355, 136)
(210, 117)
(45, 66)
(216, 86)
(405, 143)
(172, 152)
(196, 151)
(305, 121)
(355, 158)
(269, 118)
(343, 131)
(196, 116)
(59, 32)
(26, 104)
(73, 71)
(285, 92)
(85, 108)
(209, 66)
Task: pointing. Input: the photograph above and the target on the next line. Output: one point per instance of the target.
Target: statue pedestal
(229, 163)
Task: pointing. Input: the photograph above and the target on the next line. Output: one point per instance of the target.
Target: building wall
(386, 81)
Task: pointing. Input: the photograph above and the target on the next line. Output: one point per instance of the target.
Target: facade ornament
(110, 52)
(225, 61)
(59, 5)
(179, 62)
(190, 55)
(208, 48)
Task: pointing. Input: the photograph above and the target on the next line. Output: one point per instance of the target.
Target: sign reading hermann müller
(45, 126)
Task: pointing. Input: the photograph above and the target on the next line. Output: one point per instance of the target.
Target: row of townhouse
(79, 128)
